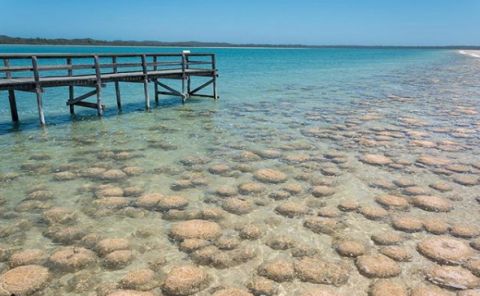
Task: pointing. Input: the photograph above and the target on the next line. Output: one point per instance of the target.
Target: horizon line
(9, 40)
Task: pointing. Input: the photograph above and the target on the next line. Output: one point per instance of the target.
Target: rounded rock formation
(200, 229)
(185, 280)
(317, 271)
(24, 280)
(445, 250)
(291, 209)
(432, 203)
(377, 266)
(392, 202)
(118, 259)
(270, 176)
(375, 159)
(109, 245)
(237, 206)
(397, 253)
(278, 270)
(387, 288)
(453, 277)
(72, 258)
(322, 191)
(27, 257)
(175, 202)
(407, 223)
(350, 248)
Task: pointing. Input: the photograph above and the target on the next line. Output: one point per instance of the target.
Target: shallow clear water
(317, 116)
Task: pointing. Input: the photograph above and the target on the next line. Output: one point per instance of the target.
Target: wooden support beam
(98, 86)
(117, 84)
(192, 93)
(145, 82)
(214, 85)
(70, 88)
(90, 105)
(170, 93)
(174, 91)
(184, 77)
(189, 82)
(204, 96)
(155, 81)
(11, 94)
(82, 97)
(38, 90)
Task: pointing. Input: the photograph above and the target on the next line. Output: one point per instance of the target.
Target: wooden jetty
(35, 72)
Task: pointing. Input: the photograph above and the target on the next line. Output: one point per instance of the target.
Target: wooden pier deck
(35, 72)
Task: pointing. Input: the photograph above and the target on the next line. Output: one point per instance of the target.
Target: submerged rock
(350, 248)
(445, 250)
(387, 288)
(140, 279)
(200, 229)
(262, 286)
(387, 238)
(322, 191)
(375, 159)
(407, 223)
(397, 253)
(24, 280)
(292, 209)
(237, 206)
(185, 280)
(432, 203)
(279, 270)
(392, 202)
(453, 277)
(109, 245)
(322, 272)
(377, 266)
(270, 176)
(118, 259)
(72, 258)
(27, 257)
(250, 232)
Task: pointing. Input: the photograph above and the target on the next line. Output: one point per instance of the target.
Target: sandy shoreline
(471, 53)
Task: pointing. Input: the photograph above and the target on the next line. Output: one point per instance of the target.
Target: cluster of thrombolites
(346, 207)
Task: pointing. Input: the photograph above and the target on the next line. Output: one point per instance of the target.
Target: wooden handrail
(89, 55)
(9, 69)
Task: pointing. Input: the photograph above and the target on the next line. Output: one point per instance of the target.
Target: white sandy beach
(472, 53)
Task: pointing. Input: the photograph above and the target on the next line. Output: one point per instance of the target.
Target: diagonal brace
(201, 87)
(82, 97)
(174, 92)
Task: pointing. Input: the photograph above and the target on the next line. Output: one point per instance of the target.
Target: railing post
(38, 90)
(189, 83)
(145, 82)
(155, 84)
(11, 93)
(98, 85)
(117, 84)
(215, 75)
(184, 76)
(70, 88)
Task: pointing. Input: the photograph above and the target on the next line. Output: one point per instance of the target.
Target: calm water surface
(309, 161)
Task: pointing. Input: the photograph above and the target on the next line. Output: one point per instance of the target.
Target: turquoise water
(336, 126)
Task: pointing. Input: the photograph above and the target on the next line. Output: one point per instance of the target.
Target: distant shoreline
(7, 40)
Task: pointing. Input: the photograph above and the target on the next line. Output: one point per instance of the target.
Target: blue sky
(362, 22)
